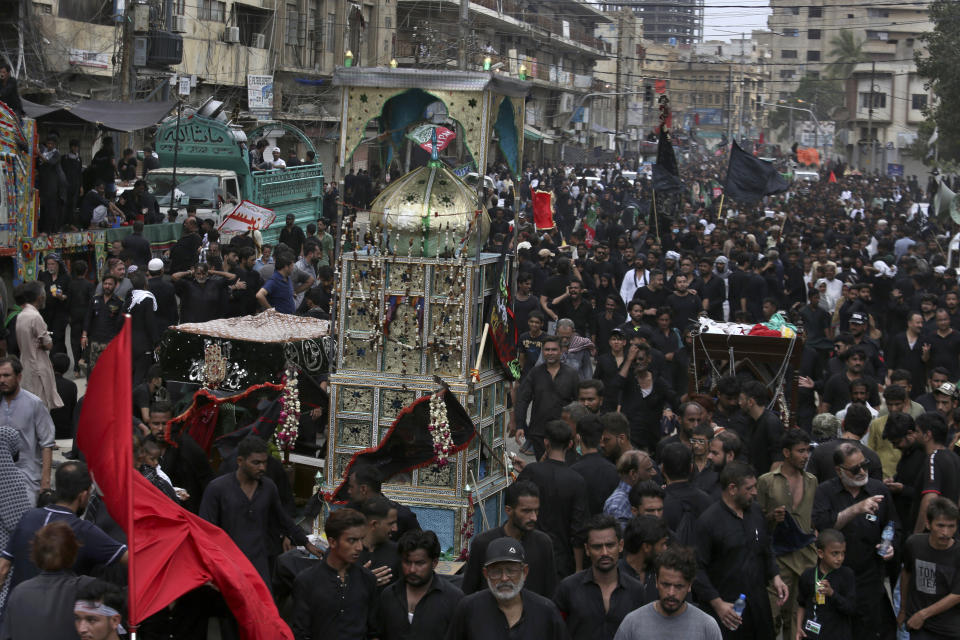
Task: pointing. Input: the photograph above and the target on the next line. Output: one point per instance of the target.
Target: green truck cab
(213, 172)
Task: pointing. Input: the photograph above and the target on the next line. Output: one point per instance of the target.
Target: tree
(846, 51)
(820, 95)
(939, 64)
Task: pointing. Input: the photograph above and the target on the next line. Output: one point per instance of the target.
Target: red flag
(175, 551)
(543, 210)
(833, 178)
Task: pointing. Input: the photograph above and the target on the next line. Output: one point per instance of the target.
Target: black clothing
(765, 434)
(522, 309)
(538, 551)
(899, 355)
(941, 476)
(583, 316)
(739, 422)
(90, 201)
(478, 617)
(910, 473)
(607, 371)
(836, 391)
(188, 468)
(601, 477)
(530, 348)
(202, 302)
(685, 308)
(144, 336)
(714, 290)
(651, 299)
(326, 608)
(734, 556)
(944, 351)
(862, 535)
(581, 604)
(63, 416)
(684, 500)
(934, 574)
(648, 580)
(383, 556)
(127, 168)
(837, 614)
(243, 302)
(563, 509)
(246, 520)
(548, 394)
(10, 95)
(139, 248)
(81, 299)
(293, 237)
(644, 412)
(431, 617)
(56, 312)
(821, 463)
(104, 319)
(185, 253)
(167, 314)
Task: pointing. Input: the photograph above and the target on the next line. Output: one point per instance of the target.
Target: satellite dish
(213, 109)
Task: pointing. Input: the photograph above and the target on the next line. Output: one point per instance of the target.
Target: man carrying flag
(749, 179)
(171, 551)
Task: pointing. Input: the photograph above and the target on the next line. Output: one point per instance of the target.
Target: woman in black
(56, 311)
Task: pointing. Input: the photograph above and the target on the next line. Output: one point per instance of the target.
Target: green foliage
(939, 65)
(845, 52)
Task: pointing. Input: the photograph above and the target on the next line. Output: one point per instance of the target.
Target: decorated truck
(205, 162)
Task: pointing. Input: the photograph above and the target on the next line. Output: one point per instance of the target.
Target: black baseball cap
(505, 549)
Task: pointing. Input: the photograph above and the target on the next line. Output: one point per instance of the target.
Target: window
(813, 56)
(293, 22)
(879, 100)
(212, 10)
(878, 13)
(793, 11)
(813, 34)
(791, 33)
(786, 74)
(253, 22)
(877, 35)
(815, 12)
(90, 11)
(331, 31)
(789, 54)
(41, 9)
(918, 101)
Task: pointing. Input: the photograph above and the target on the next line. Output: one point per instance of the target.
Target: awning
(115, 116)
(599, 128)
(532, 133)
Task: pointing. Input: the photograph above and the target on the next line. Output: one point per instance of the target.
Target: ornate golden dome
(431, 213)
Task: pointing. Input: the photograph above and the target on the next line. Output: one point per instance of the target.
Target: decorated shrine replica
(413, 298)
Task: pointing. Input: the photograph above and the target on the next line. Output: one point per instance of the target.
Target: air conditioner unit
(178, 24)
(231, 34)
(260, 41)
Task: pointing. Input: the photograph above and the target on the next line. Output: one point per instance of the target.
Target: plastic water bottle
(740, 605)
(886, 539)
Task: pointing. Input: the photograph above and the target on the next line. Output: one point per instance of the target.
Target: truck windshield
(202, 190)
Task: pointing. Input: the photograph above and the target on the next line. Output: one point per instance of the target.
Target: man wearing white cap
(163, 291)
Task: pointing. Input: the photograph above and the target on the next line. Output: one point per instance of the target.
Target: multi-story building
(804, 34)
(552, 43)
(678, 22)
(622, 74)
(77, 50)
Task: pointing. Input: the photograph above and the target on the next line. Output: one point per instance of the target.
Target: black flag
(749, 178)
(666, 174)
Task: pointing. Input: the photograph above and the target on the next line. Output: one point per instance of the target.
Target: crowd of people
(643, 507)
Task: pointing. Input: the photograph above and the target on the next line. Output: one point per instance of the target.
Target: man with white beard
(506, 609)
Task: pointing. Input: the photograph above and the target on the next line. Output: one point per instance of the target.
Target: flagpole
(656, 223)
(720, 208)
(131, 537)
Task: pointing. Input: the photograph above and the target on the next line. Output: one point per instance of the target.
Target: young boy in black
(826, 595)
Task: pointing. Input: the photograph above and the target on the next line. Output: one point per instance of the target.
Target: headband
(97, 609)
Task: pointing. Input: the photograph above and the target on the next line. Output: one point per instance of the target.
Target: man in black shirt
(683, 502)
(860, 508)
(138, 246)
(185, 252)
(366, 482)
(766, 429)
(941, 474)
(735, 556)
(203, 293)
(292, 235)
(941, 348)
(855, 425)
(420, 604)
(685, 304)
(245, 503)
(522, 505)
(563, 498)
(181, 458)
(931, 576)
(337, 598)
(571, 304)
(595, 601)
(103, 321)
(599, 474)
(379, 551)
(167, 313)
(901, 431)
(506, 609)
(549, 386)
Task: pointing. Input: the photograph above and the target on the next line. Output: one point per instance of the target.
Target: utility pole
(126, 62)
(616, 99)
(464, 35)
(730, 103)
(870, 159)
